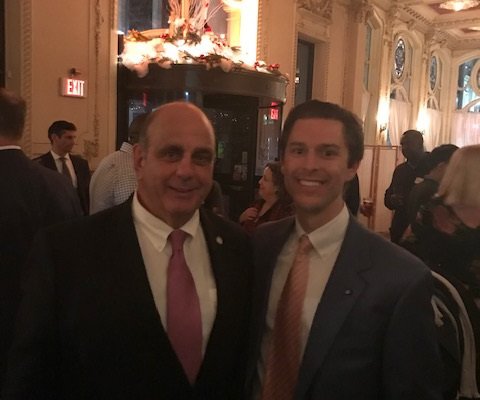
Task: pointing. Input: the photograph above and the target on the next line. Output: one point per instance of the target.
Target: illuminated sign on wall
(72, 87)
(274, 114)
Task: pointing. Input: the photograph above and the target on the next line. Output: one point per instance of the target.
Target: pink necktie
(184, 320)
(283, 360)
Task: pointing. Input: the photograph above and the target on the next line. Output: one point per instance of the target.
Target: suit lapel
(49, 162)
(344, 286)
(268, 242)
(266, 256)
(221, 262)
(132, 273)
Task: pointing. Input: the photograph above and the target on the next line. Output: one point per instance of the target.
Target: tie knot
(63, 159)
(304, 245)
(177, 237)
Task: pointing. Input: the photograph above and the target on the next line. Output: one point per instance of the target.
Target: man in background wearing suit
(32, 197)
(111, 312)
(403, 180)
(62, 135)
(345, 314)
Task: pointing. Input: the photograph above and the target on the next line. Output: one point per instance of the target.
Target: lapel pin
(348, 291)
(219, 240)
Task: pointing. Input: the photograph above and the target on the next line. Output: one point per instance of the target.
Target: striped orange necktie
(283, 359)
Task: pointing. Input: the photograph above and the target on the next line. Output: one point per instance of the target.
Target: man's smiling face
(315, 167)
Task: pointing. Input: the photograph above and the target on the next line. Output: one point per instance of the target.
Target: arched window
(435, 71)
(468, 90)
(465, 126)
(400, 87)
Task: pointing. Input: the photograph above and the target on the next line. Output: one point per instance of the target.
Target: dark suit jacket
(88, 327)
(403, 180)
(82, 171)
(373, 335)
(31, 197)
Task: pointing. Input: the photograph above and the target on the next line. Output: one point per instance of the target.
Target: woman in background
(450, 224)
(274, 202)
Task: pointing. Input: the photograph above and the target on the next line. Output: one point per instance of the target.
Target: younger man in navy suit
(363, 327)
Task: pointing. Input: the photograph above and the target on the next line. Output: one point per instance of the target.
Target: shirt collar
(126, 147)
(158, 229)
(10, 147)
(329, 236)
(56, 156)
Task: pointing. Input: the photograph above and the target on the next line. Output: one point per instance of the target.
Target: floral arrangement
(189, 40)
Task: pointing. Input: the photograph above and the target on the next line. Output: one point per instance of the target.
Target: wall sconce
(423, 121)
(383, 114)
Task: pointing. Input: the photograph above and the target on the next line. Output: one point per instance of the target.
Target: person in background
(32, 197)
(447, 238)
(403, 179)
(449, 225)
(339, 312)
(214, 200)
(114, 179)
(62, 135)
(422, 192)
(149, 299)
(274, 202)
(352, 195)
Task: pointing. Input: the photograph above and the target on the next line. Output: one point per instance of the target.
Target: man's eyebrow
(296, 144)
(171, 147)
(329, 145)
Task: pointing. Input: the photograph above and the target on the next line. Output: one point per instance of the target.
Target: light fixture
(458, 5)
(383, 114)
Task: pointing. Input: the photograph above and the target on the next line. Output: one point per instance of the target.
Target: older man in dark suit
(32, 197)
(343, 314)
(62, 135)
(114, 309)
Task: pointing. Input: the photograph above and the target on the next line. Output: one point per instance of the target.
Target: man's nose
(311, 160)
(185, 167)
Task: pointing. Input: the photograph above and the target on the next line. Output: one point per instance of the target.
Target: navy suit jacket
(373, 334)
(88, 327)
(31, 197)
(82, 170)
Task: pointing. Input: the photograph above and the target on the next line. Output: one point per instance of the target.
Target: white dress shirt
(69, 164)
(326, 242)
(152, 236)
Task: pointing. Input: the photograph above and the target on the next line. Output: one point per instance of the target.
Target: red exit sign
(72, 87)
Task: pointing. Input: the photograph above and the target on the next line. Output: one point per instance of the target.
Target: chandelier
(458, 5)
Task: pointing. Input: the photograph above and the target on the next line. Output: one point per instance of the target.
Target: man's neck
(59, 153)
(415, 159)
(311, 221)
(8, 142)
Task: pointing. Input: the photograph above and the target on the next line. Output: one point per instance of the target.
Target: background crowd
(135, 284)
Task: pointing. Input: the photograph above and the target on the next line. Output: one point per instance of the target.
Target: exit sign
(72, 87)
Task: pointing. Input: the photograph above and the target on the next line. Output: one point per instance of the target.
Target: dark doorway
(304, 74)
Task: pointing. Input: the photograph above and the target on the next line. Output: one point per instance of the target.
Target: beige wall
(51, 38)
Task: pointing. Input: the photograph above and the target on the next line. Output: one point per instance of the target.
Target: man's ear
(139, 155)
(353, 169)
